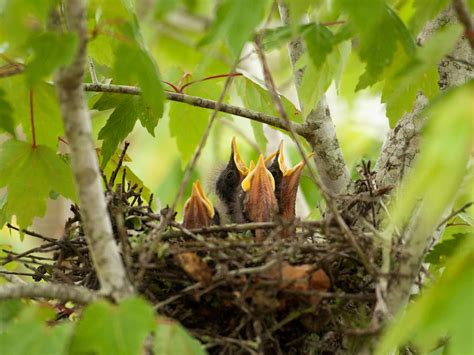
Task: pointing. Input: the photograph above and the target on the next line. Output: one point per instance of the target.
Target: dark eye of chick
(230, 176)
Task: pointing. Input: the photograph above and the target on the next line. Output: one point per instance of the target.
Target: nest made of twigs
(242, 296)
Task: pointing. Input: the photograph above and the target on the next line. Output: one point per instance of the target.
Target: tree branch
(10, 277)
(319, 129)
(397, 156)
(77, 126)
(198, 102)
(60, 292)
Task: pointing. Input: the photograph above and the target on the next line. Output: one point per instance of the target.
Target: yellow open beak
(258, 175)
(198, 209)
(239, 163)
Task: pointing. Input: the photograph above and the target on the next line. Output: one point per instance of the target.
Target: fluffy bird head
(228, 183)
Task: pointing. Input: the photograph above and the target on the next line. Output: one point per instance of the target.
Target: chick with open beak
(198, 209)
(228, 184)
(286, 184)
(198, 213)
(259, 202)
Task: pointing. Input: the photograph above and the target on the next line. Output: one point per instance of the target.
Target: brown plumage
(259, 202)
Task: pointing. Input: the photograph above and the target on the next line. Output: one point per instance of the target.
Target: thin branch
(454, 214)
(77, 126)
(62, 292)
(462, 13)
(198, 102)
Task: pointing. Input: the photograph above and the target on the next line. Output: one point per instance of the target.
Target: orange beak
(198, 209)
(260, 203)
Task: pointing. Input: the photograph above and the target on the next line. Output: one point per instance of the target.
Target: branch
(60, 292)
(398, 153)
(462, 13)
(198, 102)
(77, 126)
(402, 143)
(318, 129)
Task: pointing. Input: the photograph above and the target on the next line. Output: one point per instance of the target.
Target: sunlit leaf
(317, 80)
(29, 333)
(446, 248)
(418, 74)
(59, 48)
(235, 22)
(442, 163)
(30, 173)
(6, 115)
(443, 310)
(113, 329)
(379, 29)
(172, 338)
(134, 64)
(425, 10)
(319, 42)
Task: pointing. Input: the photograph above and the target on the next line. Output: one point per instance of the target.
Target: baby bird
(286, 185)
(198, 209)
(228, 184)
(259, 202)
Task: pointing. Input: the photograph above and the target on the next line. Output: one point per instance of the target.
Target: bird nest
(234, 293)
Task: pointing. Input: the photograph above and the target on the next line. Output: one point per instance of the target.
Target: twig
(462, 13)
(455, 213)
(119, 164)
(92, 70)
(62, 292)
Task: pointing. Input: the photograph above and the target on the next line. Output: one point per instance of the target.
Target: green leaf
(442, 310)
(133, 63)
(26, 331)
(6, 115)
(418, 74)
(235, 22)
(446, 248)
(13, 26)
(317, 80)
(187, 125)
(59, 48)
(30, 173)
(442, 163)
(319, 42)
(379, 30)
(46, 111)
(122, 120)
(171, 338)
(9, 309)
(255, 96)
(113, 329)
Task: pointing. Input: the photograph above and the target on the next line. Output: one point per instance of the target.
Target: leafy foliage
(27, 173)
(379, 29)
(172, 338)
(235, 22)
(442, 310)
(6, 117)
(108, 329)
(417, 74)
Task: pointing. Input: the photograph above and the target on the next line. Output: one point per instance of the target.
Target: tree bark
(77, 126)
(319, 129)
